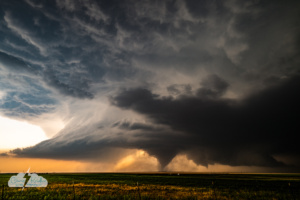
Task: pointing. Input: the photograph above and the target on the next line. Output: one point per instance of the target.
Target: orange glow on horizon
(16, 165)
(138, 161)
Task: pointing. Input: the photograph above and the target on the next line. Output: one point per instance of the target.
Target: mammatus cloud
(215, 81)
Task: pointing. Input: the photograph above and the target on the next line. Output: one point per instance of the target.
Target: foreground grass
(160, 186)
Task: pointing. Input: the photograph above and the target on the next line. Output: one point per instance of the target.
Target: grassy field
(158, 186)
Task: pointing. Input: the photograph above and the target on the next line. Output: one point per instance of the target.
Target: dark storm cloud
(213, 86)
(81, 91)
(88, 50)
(14, 63)
(81, 149)
(127, 125)
(96, 41)
(218, 130)
(107, 144)
(177, 89)
(249, 132)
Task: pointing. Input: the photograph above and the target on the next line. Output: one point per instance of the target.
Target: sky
(161, 85)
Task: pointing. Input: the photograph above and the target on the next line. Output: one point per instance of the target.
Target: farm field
(158, 186)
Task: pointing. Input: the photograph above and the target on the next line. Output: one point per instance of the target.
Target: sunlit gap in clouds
(18, 134)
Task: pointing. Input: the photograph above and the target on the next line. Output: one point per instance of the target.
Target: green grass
(159, 186)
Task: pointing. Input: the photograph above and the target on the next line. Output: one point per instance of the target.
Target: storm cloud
(219, 130)
(249, 132)
(216, 81)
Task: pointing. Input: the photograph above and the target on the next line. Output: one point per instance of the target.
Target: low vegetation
(159, 186)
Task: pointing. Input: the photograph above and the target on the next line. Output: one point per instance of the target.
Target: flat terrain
(158, 186)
